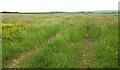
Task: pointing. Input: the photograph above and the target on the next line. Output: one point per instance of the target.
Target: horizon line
(61, 11)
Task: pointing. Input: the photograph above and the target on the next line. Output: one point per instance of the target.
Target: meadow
(59, 40)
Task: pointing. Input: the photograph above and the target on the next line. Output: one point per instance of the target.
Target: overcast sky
(57, 5)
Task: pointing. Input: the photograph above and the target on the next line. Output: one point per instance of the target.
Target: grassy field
(60, 40)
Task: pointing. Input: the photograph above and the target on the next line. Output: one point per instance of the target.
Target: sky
(57, 5)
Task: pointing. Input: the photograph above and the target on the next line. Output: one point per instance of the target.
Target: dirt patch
(15, 62)
(88, 41)
(88, 54)
(88, 57)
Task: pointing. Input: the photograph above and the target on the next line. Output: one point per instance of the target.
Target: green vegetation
(60, 40)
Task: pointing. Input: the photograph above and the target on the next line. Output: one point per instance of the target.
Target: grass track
(62, 40)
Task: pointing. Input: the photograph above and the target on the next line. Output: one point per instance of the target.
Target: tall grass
(61, 40)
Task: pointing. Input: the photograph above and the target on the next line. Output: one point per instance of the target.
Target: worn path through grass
(88, 54)
(15, 62)
(60, 41)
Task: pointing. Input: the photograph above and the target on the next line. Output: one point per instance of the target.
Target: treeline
(8, 12)
(56, 12)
